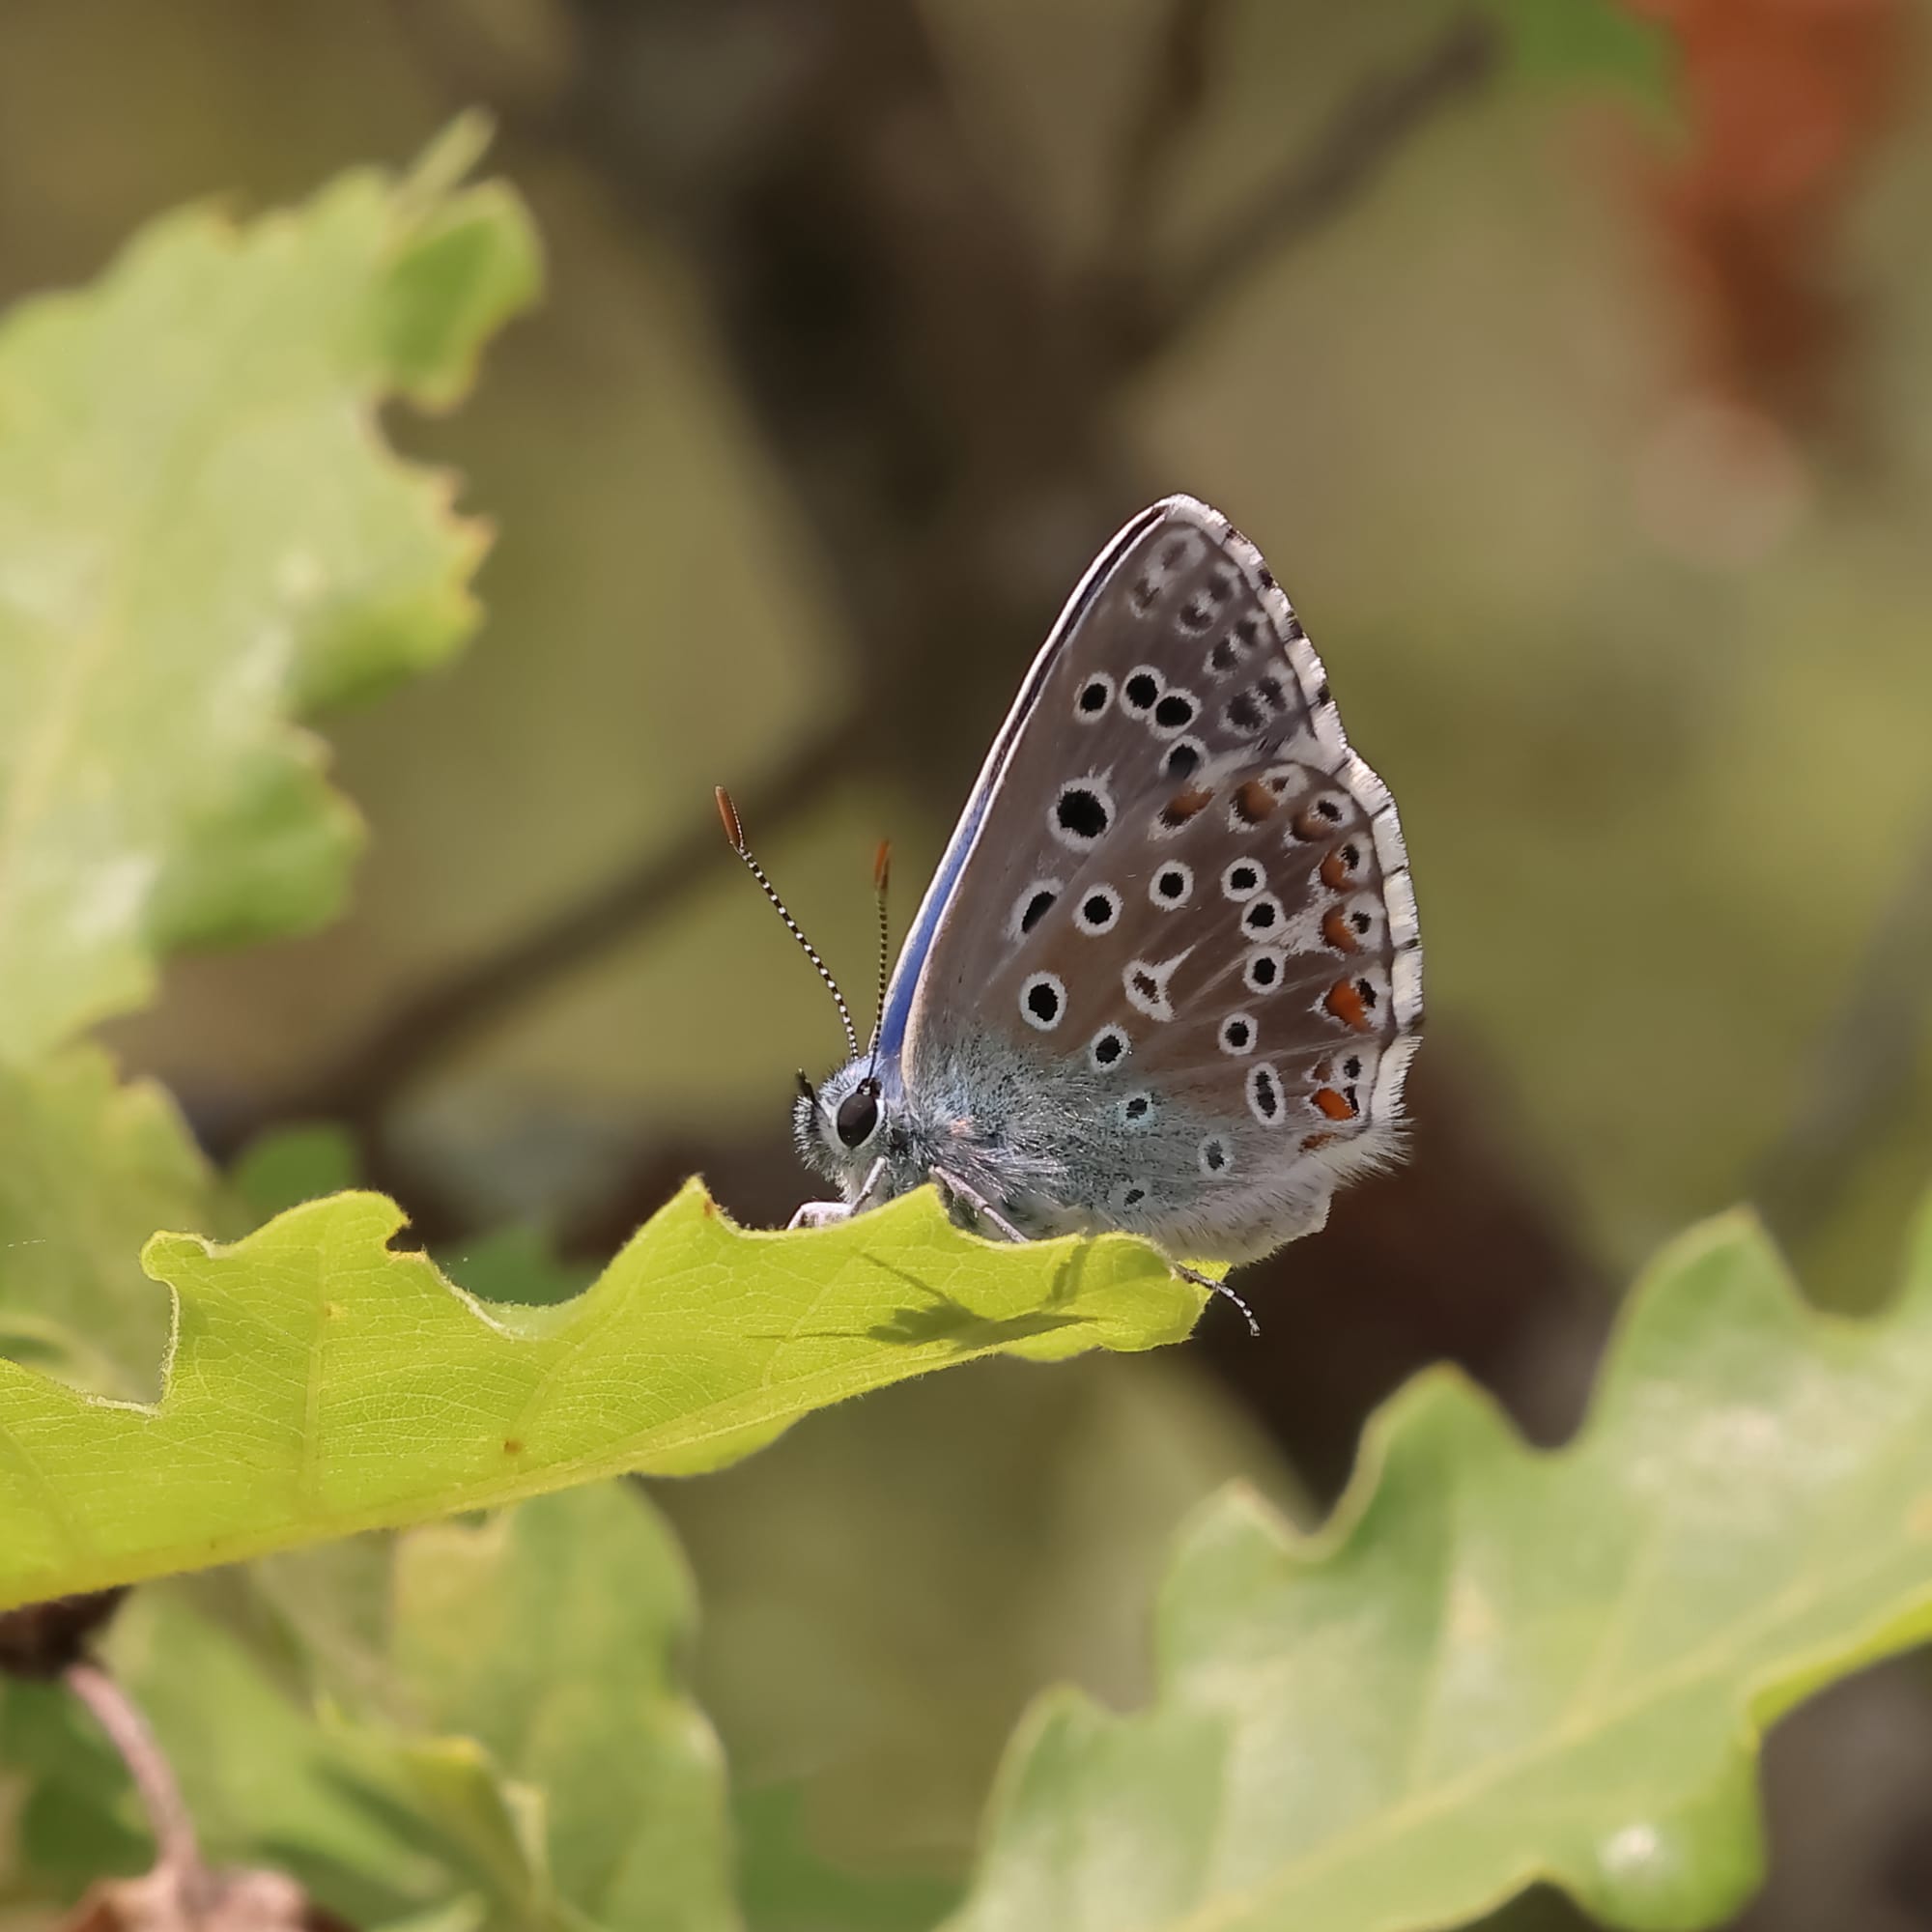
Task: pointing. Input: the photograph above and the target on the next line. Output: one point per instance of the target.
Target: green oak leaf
(552, 1635)
(523, 1752)
(375, 1821)
(322, 1382)
(1497, 1666)
(202, 535)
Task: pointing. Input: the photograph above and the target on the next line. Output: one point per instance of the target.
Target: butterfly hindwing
(1185, 910)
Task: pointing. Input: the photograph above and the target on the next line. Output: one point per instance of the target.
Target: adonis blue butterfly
(1168, 977)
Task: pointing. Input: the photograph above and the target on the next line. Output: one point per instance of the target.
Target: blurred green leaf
(529, 1763)
(88, 1169)
(265, 1782)
(1590, 41)
(886, 1587)
(518, 1263)
(1497, 1666)
(788, 1882)
(201, 535)
(551, 1635)
(323, 1383)
(290, 1165)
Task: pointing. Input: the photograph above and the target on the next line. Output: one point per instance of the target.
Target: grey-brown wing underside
(1187, 888)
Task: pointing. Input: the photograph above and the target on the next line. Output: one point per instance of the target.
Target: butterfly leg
(827, 1213)
(818, 1215)
(1219, 1288)
(952, 1184)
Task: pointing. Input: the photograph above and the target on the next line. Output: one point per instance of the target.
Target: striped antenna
(882, 878)
(734, 831)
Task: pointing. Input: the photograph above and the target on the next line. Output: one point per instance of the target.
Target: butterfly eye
(857, 1114)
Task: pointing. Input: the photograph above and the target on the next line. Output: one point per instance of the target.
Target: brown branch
(178, 1853)
(1383, 114)
(435, 1022)
(1174, 91)
(1861, 1068)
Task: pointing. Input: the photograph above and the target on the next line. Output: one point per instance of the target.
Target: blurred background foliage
(1572, 362)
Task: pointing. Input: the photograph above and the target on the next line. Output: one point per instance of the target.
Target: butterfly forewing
(1187, 909)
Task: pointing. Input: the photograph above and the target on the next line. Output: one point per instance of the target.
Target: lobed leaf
(202, 535)
(552, 1635)
(322, 1382)
(1497, 1666)
(514, 1745)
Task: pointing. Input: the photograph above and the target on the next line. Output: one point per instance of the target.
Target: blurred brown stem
(1376, 124)
(439, 1020)
(1861, 1072)
(177, 1851)
(1174, 91)
(926, 574)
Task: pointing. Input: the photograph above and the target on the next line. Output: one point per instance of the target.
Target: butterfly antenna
(882, 878)
(734, 831)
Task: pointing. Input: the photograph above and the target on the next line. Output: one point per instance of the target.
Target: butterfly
(1168, 977)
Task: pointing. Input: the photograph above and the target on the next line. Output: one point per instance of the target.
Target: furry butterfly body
(1167, 978)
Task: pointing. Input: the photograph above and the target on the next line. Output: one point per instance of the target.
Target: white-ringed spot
(1265, 1103)
(1043, 1001)
(1173, 714)
(1171, 885)
(1242, 880)
(1262, 972)
(1213, 1154)
(1229, 651)
(1137, 1109)
(1262, 916)
(1140, 690)
(1098, 910)
(1144, 983)
(1083, 810)
(1327, 812)
(1032, 906)
(1237, 1033)
(1184, 757)
(1091, 702)
(1108, 1048)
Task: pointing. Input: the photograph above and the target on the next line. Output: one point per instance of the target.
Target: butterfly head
(851, 1124)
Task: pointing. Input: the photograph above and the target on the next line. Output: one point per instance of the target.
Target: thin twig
(177, 1849)
(441, 1018)
(1861, 1070)
(1325, 182)
(1174, 91)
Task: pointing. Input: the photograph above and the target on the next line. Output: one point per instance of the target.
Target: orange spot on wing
(1183, 806)
(1345, 1002)
(1310, 1142)
(1333, 1104)
(1253, 802)
(1339, 867)
(1337, 931)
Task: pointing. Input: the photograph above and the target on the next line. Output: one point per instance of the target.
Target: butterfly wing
(1180, 904)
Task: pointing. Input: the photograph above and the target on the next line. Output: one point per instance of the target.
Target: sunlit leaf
(323, 1382)
(1497, 1666)
(202, 536)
